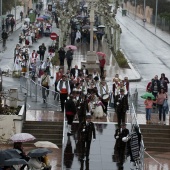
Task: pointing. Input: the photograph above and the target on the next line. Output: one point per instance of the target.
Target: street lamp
(156, 15)
(135, 9)
(1, 14)
(144, 7)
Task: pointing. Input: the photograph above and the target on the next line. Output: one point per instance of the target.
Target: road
(148, 54)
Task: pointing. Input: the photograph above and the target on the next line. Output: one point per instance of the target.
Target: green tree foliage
(7, 5)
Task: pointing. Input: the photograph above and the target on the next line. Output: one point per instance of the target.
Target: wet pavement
(102, 149)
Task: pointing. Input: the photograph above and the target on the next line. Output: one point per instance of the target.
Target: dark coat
(69, 55)
(123, 103)
(88, 133)
(70, 106)
(157, 83)
(42, 49)
(73, 71)
(62, 54)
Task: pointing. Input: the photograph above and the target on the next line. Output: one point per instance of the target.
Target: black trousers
(121, 117)
(102, 71)
(70, 119)
(85, 146)
(63, 98)
(41, 56)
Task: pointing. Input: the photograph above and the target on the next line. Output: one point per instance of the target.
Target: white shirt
(76, 73)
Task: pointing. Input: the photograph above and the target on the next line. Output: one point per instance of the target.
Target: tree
(7, 5)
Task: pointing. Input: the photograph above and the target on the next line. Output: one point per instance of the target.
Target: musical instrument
(105, 97)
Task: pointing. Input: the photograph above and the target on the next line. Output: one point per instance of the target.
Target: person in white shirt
(63, 87)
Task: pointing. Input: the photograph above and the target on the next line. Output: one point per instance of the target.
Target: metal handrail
(63, 141)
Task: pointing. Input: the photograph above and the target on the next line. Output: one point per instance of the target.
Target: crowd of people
(159, 89)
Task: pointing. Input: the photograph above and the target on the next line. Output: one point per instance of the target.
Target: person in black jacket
(86, 134)
(4, 37)
(70, 109)
(62, 55)
(42, 49)
(69, 57)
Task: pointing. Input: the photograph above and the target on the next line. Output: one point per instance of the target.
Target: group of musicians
(80, 84)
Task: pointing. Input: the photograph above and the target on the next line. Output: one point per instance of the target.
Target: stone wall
(139, 11)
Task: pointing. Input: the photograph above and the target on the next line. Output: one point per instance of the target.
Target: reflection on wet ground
(103, 154)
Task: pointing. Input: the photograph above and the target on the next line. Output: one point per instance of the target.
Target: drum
(106, 97)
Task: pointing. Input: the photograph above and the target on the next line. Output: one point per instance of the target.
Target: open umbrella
(10, 15)
(39, 152)
(101, 54)
(40, 19)
(45, 144)
(71, 46)
(86, 27)
(101, 26)
(8, 154)
(14, 161)
(27, 19)
(147, 94)
(22, 137)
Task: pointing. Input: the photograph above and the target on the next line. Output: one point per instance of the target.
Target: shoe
(69, 134)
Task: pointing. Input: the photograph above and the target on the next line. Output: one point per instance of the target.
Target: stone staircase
(44, 131)
(156, 137)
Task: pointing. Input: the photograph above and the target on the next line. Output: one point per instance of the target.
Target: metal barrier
(38, 92)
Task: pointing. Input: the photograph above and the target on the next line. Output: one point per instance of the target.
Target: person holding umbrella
(12, 24)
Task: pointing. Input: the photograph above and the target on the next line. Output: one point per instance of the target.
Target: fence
(39, 93)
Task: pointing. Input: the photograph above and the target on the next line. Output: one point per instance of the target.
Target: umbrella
(40, 19)
(71, 46)
(22, 137)
(10, 15)
(94, 29)
(101, 54)
(86, 27)
(27, 19)
(39, 152)
(8, 154)
(14, 161)
(101, 26)
(147, 94)
(45, 144)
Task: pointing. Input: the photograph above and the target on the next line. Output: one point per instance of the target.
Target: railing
(63, 141)
(134, 123)
(37, 92)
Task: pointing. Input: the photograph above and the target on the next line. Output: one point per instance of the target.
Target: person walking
(63, 87)
(4, 37)
(69, 57)
(21, 15)
(45, 82)
(12, 24)
(70, 108)
(121, 106)
(86, 134)
(161, 97)
(42, 49)
(62, 55)
(102, 62)
(148, 106)
(164, 82)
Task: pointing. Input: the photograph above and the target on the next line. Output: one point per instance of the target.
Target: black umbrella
(39, 152)
(8, 154)
(14, 161)
(10, 15)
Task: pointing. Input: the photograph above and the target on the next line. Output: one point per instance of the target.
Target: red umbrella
(101, 54)
(71, 46)
(40, 19)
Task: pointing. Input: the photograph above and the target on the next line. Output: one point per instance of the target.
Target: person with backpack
(12, 24)
(69, 57)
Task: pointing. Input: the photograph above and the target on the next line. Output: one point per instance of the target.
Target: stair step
(156, 139)
(157, 149)
(156, 144)
(43, 123)
(48, 136)
(155, 135)
(149, 130)
(43, 131)
(154, 126)
(56, 141)
(54, 127)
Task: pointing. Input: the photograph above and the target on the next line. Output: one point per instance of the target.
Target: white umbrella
(101, 26)
(27, 19)
(45, 144)
(22, 137)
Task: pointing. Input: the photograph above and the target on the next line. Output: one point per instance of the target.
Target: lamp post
(15, 11)
(135, 9)
(144, 7)
(1, 14)
(156, 15)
